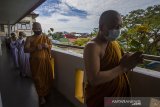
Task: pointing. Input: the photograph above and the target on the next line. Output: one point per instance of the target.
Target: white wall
(65, 67)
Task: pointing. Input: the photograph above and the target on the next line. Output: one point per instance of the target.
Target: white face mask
(113, 35)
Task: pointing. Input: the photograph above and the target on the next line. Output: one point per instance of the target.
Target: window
(24, 26)
(28, 26)
(19, 26)
(1, 28)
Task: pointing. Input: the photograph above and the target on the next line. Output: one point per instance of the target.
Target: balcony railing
(70, 77)
(146, 56)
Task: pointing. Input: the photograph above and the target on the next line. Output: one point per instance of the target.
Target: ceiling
(12, 11)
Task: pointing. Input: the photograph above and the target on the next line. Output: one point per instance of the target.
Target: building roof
(12, 11)
(34, 15)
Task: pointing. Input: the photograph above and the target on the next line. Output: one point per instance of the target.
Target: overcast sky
(83, 15)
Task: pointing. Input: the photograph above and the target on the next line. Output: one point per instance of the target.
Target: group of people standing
(21, 59)
(106, 65)
(33, 54)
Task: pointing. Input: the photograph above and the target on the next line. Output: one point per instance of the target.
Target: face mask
(37, 32)
(113, 35)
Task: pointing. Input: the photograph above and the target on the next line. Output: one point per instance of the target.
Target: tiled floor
(20, 92)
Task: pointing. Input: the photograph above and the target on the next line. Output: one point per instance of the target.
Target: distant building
(3, 30)
(24, 25)
(77, 35)
(71, 36)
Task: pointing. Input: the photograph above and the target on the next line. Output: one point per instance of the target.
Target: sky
(82, 16)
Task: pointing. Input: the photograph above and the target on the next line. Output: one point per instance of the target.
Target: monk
(39, 47)
(104, 65)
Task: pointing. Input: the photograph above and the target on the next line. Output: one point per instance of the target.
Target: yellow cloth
(52, 64)
(119, 87)
(41, 68)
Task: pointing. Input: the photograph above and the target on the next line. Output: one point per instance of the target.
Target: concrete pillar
(9, 29)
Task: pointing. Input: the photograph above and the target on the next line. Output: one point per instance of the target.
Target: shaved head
(36, 26)
(110, 24)
(110, 18)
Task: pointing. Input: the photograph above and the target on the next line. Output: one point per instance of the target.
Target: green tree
(50, 32)
(141, 30)
(81, 41)
(94, 32)
(51, 29)
(57, 36)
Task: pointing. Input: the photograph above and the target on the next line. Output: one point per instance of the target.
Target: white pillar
(9, 29)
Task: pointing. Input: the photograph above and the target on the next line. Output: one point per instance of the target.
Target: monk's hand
(39, 47)
(128, 62)
(45, 45)
(126, 55)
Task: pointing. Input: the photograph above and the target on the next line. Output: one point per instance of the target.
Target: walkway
(20, 92)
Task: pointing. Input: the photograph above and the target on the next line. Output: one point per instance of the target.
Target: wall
(65, 66)
(144, 82)
(0, 101)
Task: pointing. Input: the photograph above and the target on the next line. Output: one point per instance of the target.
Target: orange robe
(41, 66)
(118, 87)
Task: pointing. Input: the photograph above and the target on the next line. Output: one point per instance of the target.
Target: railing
(70, 46)
(70, 76)
(146, 56)
(151, 57)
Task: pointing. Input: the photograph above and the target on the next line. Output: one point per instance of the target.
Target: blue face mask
(113, 35)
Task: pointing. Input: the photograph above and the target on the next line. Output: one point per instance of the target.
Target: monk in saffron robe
(105, 65)
(39, 47)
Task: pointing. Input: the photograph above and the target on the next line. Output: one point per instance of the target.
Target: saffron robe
(118, 87)
(40, 63)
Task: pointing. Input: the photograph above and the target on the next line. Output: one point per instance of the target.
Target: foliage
(57, 36)
(81, 41)
(141, 30)
(51, 29)
(63, 40)
(94, 32)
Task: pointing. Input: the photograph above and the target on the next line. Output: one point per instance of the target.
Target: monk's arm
(27, 47)
(92, 66)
